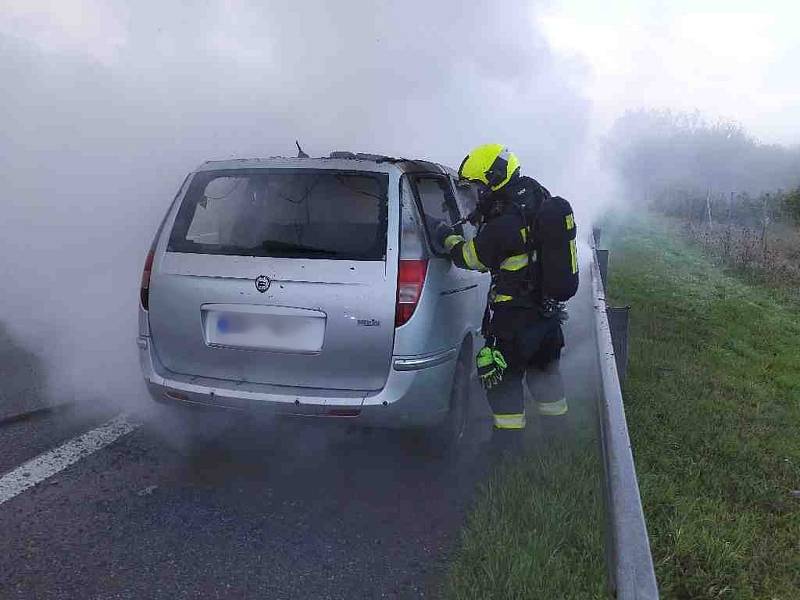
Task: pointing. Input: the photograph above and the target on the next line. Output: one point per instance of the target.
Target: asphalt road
(258, 509)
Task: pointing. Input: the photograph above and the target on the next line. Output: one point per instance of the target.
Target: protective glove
(491, 365)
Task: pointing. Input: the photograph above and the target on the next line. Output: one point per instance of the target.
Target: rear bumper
(416, 393)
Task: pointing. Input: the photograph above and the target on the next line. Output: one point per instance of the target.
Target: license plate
(300, 331)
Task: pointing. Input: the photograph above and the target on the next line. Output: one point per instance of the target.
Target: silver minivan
(313, 287)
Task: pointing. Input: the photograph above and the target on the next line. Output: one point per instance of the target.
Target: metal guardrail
(628, 558)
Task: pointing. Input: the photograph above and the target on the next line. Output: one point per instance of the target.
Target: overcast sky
(730, 58)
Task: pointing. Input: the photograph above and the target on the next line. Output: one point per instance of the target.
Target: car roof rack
(379, 158)
(415, 164)
(407, 164)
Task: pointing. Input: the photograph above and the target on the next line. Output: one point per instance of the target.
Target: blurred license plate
(232, 323)
(303, 331)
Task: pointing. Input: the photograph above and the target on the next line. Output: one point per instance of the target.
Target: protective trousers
(546, 386)
(533, 353)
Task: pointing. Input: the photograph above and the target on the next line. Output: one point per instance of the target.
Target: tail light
(410, 279)
(144, 293)
(413, 263)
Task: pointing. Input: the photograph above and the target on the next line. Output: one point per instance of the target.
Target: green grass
(536, 530)
(713, 408)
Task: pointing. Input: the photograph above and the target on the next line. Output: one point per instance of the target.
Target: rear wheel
(447, 437)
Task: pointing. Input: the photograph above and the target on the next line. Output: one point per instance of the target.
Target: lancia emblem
(262, 283)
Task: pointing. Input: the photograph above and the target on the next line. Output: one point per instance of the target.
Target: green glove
(491, 364)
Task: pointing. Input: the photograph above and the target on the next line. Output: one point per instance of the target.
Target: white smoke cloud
(107, 105)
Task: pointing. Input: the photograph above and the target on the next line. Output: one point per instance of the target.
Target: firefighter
(522, 326)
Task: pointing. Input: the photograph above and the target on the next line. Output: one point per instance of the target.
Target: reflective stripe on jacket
(499, 248)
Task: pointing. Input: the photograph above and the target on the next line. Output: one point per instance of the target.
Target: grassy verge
(713, 407)
(741, 251)
(535, 530)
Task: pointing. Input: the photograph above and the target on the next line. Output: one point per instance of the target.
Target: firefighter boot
(505, 445)
(547, 389)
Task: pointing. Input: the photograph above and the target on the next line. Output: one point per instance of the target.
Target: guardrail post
(596, 233)
(602, 262)
(618, 319)
(617, 316)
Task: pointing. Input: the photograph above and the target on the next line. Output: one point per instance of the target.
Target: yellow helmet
(492, 164)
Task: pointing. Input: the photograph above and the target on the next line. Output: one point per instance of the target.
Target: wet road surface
(287, 509)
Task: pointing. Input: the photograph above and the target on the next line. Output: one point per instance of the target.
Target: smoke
(660, 152)
(107, 105)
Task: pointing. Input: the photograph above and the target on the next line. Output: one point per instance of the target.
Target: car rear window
(300, 213)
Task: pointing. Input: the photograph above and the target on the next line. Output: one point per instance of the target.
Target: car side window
(412, 242)
(466, 198)
(438, 205)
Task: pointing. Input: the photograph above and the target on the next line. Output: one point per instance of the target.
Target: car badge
(262, 283)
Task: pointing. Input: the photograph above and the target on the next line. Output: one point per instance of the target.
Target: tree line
(679, 162)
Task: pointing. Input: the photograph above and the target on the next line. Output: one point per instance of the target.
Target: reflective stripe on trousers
(553, 409)
(512, 421)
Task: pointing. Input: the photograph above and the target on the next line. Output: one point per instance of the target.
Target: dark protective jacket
(500, 247)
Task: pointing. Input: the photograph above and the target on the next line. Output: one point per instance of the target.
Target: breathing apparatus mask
(488, 203)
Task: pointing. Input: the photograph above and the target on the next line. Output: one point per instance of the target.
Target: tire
(447, 437)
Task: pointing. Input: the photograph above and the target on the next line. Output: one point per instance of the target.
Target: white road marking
(48, 464)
